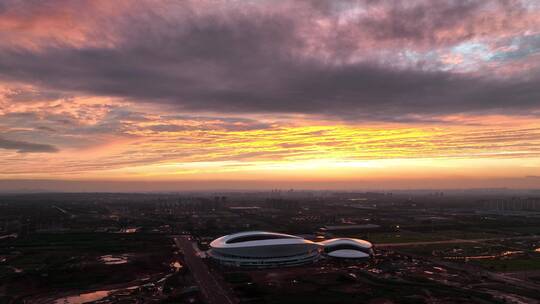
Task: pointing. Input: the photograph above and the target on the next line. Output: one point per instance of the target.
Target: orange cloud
(161, 146)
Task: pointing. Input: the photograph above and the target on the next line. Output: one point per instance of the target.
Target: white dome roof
(347, 241)
(256, 239)
(348, 254)
(271, 249)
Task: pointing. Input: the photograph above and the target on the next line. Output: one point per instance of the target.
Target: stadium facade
(261, 249)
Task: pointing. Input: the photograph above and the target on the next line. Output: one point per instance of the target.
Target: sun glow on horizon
(159, 147)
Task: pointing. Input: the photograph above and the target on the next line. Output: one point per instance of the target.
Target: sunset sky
(262, 94)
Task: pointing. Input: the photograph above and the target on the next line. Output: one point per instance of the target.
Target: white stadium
(261, 249)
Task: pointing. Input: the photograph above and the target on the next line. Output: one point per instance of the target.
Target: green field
(523, 230)
(517, 264)
(70, 260)
(39, 249)
(412, 236)
(403, 237)
(324, 288)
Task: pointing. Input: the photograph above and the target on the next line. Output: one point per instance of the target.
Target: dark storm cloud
(256, 61)
(25, 147)
(428, 23)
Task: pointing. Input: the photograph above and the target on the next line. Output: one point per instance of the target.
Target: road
(213, 292)
(71, 215)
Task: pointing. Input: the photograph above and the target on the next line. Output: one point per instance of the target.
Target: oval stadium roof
(256, 238)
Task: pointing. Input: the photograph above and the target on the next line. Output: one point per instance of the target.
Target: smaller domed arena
(347, 248)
